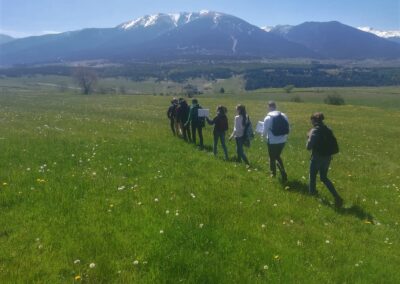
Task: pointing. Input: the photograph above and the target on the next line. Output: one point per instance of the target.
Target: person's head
(174, 101)
(181, 100)
(221, 110)
(317, 118)
(241, 110)
(195, 102)
(271, 105)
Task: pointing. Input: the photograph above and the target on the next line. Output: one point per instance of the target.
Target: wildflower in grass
(155, 199)
(166, 211)
(192, 195)
(28, 169)
(77, 261)
(367, 222)
(275, 204)
(78, 278)
(4, 183)
(40, 246)
(327, 241)
(299, 243)
(266, 267)
(136, 262)
(277, 257)
(92, 265)
(122, 187)
(161, 232)
(201, 226)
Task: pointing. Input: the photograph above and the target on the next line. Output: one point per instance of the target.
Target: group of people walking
(185, 122)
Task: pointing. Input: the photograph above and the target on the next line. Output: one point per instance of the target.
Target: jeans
(321, 165)
(200, 131)
(221, 136)
(172, 124)
(274, 151)
(239, 150)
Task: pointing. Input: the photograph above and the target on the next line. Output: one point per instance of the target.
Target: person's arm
(234, 127)
(267, 122)
(312, 137)
(211, 122)
(169, 112)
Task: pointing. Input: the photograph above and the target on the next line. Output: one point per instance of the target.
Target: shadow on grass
(355, 210)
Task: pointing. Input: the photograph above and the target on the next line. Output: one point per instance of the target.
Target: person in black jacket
(182, 114)
(320, 157)
(171, 114)
(195, 122)
(220, 123)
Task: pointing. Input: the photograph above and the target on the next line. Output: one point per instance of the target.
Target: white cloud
(380, 33)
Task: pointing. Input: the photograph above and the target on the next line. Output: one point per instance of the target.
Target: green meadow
(95, 189)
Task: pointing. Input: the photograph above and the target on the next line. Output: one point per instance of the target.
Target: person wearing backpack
(323, 145)
(220, 123)
(276, 130)
(197, 123)
(171, 115)
(182, 115)
(240, 123)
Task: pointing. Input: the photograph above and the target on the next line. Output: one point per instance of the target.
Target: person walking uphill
(171, 114)
(276, 130)
(241, 120)
(220, 123)
(182, 115)
(323, 145)
(197, 123)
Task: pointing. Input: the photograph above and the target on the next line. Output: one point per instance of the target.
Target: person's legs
(193, 133)
(188, 133)
(279, 149)
(272, 159)
(222, 136)
(215, 143)
(184, 131)
(240, 150)
(172, 124)
(323, 174)
(312, 188)
(200, 129)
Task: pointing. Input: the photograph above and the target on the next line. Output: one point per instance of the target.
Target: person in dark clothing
(182, 116)
(195, 122)
(220, 123)
(171, 114)
(320, 162)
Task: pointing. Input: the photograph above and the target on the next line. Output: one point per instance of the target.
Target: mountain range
(200, 35)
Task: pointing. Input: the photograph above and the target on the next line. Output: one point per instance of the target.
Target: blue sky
(30, 17)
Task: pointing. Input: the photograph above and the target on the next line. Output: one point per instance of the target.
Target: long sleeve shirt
(238, 129)
(267, 133)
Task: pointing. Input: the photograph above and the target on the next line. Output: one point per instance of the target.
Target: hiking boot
(284, 177)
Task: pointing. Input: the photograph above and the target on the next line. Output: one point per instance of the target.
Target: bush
(334, 99)
(288, 88)
(296, 99)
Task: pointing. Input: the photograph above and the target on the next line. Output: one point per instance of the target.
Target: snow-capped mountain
(198, 35)
(381, 33)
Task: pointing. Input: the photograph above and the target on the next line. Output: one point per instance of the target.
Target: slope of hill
(100, 191)
(339, 41)
(5, 38)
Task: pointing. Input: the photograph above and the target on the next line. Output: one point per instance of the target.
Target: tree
(288, 88)
(222, 90)
(86, 78)
(191, 90)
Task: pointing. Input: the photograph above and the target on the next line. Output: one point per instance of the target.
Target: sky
(20, 18)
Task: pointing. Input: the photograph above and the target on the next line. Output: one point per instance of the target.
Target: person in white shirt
(238, 132)
(276, 142)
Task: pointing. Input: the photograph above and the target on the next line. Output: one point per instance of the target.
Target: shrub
(296, 99)
(334, 99)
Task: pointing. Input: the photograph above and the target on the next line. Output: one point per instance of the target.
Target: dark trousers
(240, 151)
(200, 131)
(172, 124)
(186, 132)
(321, 165)
(220, 136)
(274, 151)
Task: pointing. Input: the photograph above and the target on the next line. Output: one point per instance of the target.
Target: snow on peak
(380, 33)
(267, 28)
(174, 19)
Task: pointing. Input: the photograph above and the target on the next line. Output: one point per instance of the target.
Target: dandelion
(201, 226)
(287, 187)
(155, 199)
(40, 246)
(327, 242)
(266, 267)
(277, 257)
(92, 265)
(263, 226)
(78, 278)
(299, 243)
(136, 262)
(122, 187)
(166, 211)
(275, 204)
(161, 232)
(193, 196)
(77, 261)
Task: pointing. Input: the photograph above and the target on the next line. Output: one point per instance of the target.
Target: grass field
(96, 189)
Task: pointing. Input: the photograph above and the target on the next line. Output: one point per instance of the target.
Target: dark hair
(242, 111)
(221, 109)
(318, 117)
(272, 104)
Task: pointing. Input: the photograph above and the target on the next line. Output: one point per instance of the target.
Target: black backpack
(280, 126)
(326, 143)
